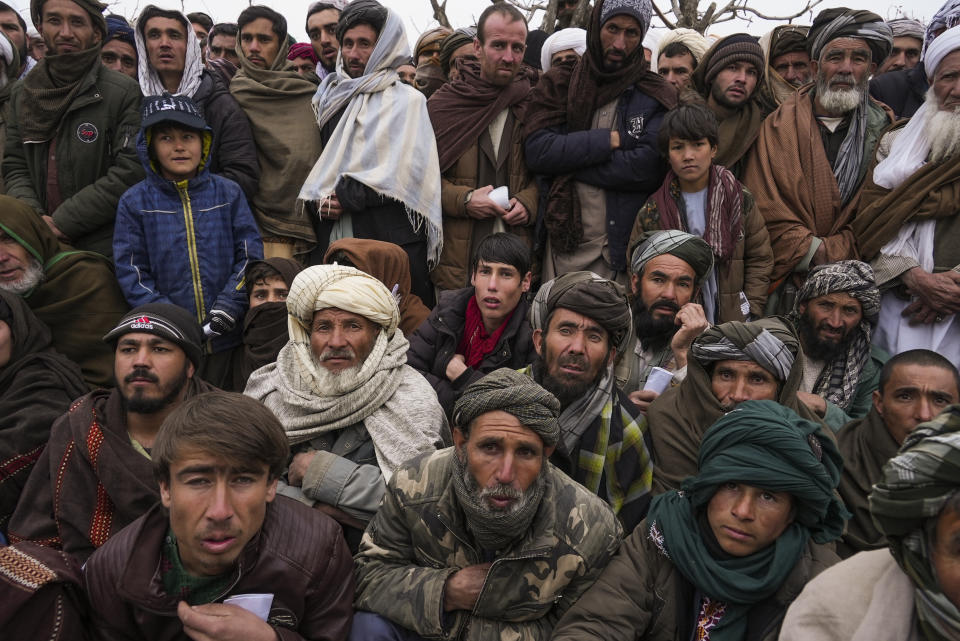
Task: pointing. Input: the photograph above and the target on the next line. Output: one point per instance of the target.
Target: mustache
(574, 359)
(665, 304)
(845, 78)
(141, 372)
(501, 490)
(333, 352)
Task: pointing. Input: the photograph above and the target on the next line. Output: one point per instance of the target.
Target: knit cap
(640, 10)
(168, 321)
(740, 47)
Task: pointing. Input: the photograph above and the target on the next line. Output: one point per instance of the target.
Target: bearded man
(487, 539)
(351, 406)
(807, 167)
(96, 475)
(908, 227)
(836, 314)
(581, 322)
(788, 63)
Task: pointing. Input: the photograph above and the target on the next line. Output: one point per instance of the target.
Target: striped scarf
(384, 139)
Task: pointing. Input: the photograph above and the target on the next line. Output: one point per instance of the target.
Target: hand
(920, 314)
(642, 399)
(517, 214)
(815, 402)
(480, 205)
(219, 323)
(614, 139)
(819, 256)
(462, 588)
(298, 467)
(692, 322)
(56, 230)
(223, 622)
(330, 208)
(456, 367)
(940, 292)
(340, 516)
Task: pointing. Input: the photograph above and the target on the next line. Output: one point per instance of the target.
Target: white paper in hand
(658, 380)
(259, 604)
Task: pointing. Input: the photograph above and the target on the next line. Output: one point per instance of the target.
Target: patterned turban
(510, 391)
(640, 10)
(325, 286)
(948, 16)
(790, 39)
(841, 22)
(768, 342)
(585, 293)
(907, 28)
(434, 36)
(691, 249)
(451, 43)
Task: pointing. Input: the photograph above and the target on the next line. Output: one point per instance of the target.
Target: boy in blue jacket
(184, 235)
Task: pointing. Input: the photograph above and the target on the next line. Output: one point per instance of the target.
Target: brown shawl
(866, 445)
(568, 97)
(790, 177)
(78, 299)
(90, 482)
(461, 109)
(36, 386)
(391, 266)
(680, 416)
(932, 192)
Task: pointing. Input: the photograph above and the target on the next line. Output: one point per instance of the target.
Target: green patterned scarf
(177, 581)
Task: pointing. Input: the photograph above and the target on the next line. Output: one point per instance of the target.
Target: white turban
(325, 286)
(946, 43)
(6, 51)
(562, 40)
(689, 38)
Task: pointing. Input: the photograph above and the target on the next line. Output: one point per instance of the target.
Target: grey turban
(691, 249)
(510, 391)
(590, 295)
(907, 28)
(831, 24)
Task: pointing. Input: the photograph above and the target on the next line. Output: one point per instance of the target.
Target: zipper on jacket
(192, 250)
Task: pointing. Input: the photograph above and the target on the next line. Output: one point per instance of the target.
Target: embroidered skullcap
(841, 22)
(572, 38)
(740, 47)
(510, 391)
(590, 295)
(639, 10)
(691, 249)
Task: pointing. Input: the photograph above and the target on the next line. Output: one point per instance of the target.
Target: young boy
(706, 200)
(184, 235)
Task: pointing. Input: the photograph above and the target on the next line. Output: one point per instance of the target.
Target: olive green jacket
(419, 538)
(96, 158)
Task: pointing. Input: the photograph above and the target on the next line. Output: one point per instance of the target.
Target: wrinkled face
(502, 52)
(322, 30)
(733, 382)
(340, 340)
(905, 54)
(67, 28)
(945, 555)
(6, 344)
(666, 285)
(914, 394)
(690, 161)
(619, 38)
(831, 320)
(259, 43)
(357, 47)
(734, 85)
(178, 152)
(746, 519)
(844, 66)
(504, 459)
(574, 351)
(677, 70)
(215, 509)
(408, 74)
(152, 373)
(271, 289)
(11, 26)
(303, 65)
(564, 57)
(15, 265)
(166, 42)
(946, 82)
(120, 56)
(498, 288)
(794, 67)
(223, 46)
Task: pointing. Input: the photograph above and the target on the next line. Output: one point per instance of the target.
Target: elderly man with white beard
(354, 411)
(807, 168)
(908, 227)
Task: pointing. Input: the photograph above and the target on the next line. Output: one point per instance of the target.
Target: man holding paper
(223, 557)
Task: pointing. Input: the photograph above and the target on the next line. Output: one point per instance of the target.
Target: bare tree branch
(440, 13)
(810, 5)
(660, 14)
(549, 23)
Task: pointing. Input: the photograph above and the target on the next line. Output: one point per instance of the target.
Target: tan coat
(453, 270)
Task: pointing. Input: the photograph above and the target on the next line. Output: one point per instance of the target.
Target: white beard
(838, 102)
(943, 131)
(336, 383)
(30, 279)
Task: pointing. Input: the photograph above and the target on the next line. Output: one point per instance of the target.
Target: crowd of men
(511, 335)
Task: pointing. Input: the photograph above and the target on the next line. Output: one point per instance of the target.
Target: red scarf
(475, 342)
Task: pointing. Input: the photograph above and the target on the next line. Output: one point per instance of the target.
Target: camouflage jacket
(419, 537)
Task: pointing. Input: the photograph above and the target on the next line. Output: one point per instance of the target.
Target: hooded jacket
(186, 243)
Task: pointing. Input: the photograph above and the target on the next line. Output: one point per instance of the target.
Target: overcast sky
(418, 15)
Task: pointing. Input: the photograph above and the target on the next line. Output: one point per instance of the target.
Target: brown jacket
(453, 270)
(748, 272)
(298, 555)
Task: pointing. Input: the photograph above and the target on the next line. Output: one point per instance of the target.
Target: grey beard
(336, 383)
(943, 131)
(839, 101)
(30, 279)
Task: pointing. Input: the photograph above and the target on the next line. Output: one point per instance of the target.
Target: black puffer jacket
(435, 342)
(234, 154)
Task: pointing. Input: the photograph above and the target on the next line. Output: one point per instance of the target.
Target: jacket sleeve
(16, 173)
(393, 584)
(620, 604)
(637, 167)
(96, 204)
(100, 576)
(353, 487)
(452, 198)
(548, 151)
(237, 152)
(137, 282)
(422, 356)
(247, 246)
(757, 257)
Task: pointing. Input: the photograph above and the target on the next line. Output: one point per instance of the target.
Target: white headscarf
(150, 83)
(572, 38)
(689, 38)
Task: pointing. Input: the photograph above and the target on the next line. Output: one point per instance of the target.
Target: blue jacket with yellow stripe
(186, 243)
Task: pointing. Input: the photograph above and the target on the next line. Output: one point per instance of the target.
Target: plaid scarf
(177, 581)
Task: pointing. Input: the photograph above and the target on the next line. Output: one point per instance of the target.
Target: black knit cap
(171, 322)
